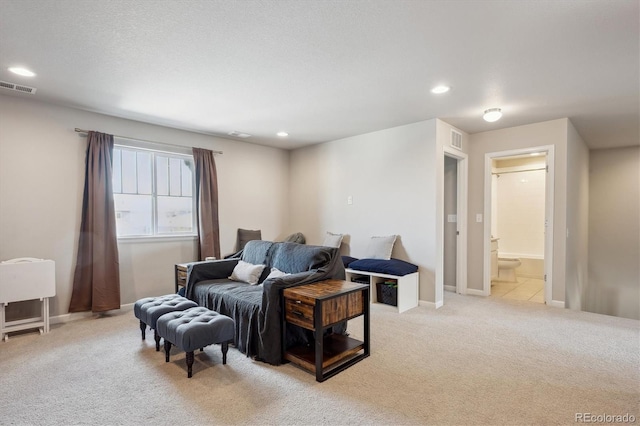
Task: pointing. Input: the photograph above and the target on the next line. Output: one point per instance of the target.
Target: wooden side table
(181, 275)
(317, 307)
(181, 272)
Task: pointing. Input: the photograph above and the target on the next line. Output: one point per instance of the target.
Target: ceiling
(325, 70)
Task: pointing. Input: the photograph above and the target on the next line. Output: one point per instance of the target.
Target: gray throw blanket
(258, 310)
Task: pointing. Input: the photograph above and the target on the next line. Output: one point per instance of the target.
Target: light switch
(349, 200)
(452, 218)
(479, 217)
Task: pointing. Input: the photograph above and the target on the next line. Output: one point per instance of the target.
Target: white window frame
(156, 149)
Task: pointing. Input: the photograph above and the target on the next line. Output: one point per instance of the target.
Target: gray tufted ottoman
(195, 328)
(149, 309)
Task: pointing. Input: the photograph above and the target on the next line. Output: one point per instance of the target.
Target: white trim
(121, 141)
(557, 304)
(435, 305)
(520, 256)
(74, 316)
(475, 292)
(450, 288)
(157, 239)
(549, 211)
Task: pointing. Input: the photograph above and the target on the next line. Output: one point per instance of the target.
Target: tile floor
(530, 289)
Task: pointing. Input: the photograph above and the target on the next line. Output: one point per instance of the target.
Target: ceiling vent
(17, 87)
(456, 140)
(239, 134)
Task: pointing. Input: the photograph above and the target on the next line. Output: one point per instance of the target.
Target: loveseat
(257, 308)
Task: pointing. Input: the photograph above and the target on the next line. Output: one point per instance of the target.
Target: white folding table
(26, 279)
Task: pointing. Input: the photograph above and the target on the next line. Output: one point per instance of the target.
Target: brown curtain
(96, 282)
(207, 204)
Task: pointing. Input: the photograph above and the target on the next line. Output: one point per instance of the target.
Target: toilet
(507, 268)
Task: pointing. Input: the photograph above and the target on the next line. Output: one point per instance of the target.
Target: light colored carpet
(475, 361)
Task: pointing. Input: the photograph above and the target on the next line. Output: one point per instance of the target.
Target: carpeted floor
(476, 361)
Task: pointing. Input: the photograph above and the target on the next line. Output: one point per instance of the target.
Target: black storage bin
(387, 293)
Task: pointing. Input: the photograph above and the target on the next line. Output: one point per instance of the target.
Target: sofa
(257, 308)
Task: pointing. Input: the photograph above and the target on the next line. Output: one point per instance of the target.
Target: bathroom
(518, 227)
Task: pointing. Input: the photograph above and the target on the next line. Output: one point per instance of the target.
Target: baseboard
(474, 292)
(74, 316)
(434, 305)
(450, 288)
(557, 303)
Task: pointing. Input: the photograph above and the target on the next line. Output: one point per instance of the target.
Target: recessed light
(440, 89)
(492, 114)
(283, 134)
(22, 71)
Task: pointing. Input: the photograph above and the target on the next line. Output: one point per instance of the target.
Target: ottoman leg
(143, 327)
(189, 364)
(225, 348)
(167, 349)
(155, 335)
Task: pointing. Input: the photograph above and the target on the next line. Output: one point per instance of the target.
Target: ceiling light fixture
(492, 114)
(440, 89)
(283, 134)
(22, 71)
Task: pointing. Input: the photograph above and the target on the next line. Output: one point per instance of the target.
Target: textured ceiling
(325, 70)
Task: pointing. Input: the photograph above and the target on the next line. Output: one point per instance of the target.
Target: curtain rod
(518, 171)
(143, 140)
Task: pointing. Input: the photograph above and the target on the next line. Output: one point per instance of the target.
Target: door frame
(461, 217)
(549, 213)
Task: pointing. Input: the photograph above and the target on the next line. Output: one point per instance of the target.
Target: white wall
(391, 175)
(577, 232)
(533, 135)
(520, 207)
(614, 233)
(42, 178)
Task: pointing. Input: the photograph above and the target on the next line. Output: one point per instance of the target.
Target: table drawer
(299, 313)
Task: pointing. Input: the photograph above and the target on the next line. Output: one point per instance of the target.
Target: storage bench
(407, 286)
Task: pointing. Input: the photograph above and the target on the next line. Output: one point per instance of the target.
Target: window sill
(157, 239)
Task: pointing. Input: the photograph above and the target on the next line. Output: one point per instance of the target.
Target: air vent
(17, 87)
(239, 134)
(456, 140)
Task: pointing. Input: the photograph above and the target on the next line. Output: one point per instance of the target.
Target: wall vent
(456, 140)
(239, 134)
(17, 87)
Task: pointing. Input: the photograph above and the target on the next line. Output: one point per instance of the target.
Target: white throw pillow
(332, 240)
(247, 272)
(380, 247)
(276, 273)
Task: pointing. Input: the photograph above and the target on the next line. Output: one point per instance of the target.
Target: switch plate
(452, 218)
(349, 200)
(479, 217)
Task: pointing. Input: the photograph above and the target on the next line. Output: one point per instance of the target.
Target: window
(153, 192)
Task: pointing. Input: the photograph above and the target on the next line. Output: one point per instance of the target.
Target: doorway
(454, 224)
(450, 260)
(519, 224)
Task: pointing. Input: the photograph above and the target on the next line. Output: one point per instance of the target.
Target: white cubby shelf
(407, 286)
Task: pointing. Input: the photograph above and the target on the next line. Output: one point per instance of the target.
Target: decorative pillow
(390, 267)
(332, 240)
(276, 273)
(346, 260)
(246, 235)
(246, 272)
(298, 238)
(380, 247)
